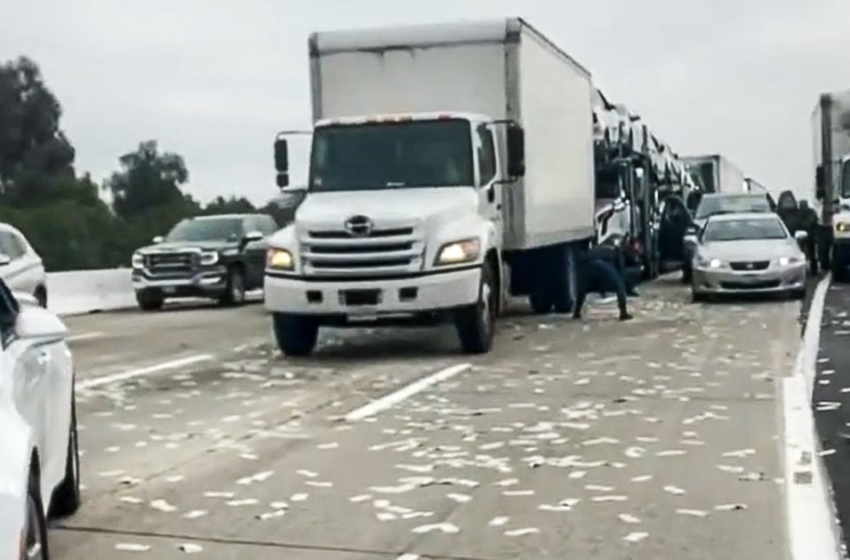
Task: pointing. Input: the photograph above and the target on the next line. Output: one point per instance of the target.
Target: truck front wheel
(149, 300)
(295, 335)
(476, 323)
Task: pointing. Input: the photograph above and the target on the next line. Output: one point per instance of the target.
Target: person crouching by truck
(596, 273)
(786, 208)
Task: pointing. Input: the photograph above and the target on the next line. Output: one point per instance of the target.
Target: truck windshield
(207, 229)
(845, 179)
(409, 154)
(713, 205)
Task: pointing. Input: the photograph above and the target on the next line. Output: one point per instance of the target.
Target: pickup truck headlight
(842, 227)
(210, 257)
(279, 259)
(138, 260)
(458, 252)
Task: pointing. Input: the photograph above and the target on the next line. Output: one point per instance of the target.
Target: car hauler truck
(451, 166)
(831, 143)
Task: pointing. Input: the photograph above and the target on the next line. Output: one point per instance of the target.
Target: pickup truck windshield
(744, 230)
(207, 229)
(393, 155)
(713, 205)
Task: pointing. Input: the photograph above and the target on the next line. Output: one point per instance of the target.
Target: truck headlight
(458, 252)
(210, 257)
(138, 260)
(279, 259)
(842, 227)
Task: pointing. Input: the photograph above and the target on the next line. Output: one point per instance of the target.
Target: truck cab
(401, 220)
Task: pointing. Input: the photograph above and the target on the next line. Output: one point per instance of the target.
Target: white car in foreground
(39, 469)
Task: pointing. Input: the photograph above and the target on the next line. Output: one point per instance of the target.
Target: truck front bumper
(397, 297)
(204, 283)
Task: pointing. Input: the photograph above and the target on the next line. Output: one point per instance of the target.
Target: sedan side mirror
(158, 239)
(36, 322)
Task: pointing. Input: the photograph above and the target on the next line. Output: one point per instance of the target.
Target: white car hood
(756, 250)
(332, 209)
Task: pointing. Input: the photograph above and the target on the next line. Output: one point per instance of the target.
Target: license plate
(357, 298)
(169, 290)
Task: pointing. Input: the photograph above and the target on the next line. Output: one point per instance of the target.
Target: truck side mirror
(820, 183)
(281, 161)
(516, 151)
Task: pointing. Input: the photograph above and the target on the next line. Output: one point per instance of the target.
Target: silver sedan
(747, 253)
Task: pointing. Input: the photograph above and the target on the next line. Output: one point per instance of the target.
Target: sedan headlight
(786, 261)
(209, 257)
(708, 263)
(138, 260)
(279, 259)
(458, 252)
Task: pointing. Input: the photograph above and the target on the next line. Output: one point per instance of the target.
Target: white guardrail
(87, 291)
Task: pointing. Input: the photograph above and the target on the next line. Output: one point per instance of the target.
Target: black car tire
(150, 300)
(66, 498)
(295, 335)
(234, 291)
(36, 521)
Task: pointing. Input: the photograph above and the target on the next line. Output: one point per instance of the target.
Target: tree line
(60, 209)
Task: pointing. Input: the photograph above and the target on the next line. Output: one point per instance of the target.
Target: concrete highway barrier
(87, 291)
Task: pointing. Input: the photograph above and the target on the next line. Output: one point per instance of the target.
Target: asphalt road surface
(831, 399)
(595, 439)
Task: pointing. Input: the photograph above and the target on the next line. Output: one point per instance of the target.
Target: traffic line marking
(812, 530)
(394, 398)
(141, 372)
(83, 336)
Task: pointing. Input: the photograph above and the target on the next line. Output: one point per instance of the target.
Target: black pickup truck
(219, 257)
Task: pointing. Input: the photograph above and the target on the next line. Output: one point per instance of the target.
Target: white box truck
(716, 174)
(831, 146)
(451, 166)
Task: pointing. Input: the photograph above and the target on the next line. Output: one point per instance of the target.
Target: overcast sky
(213, 80)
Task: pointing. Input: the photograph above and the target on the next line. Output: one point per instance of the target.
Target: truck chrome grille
(171, 263)
(386, 251)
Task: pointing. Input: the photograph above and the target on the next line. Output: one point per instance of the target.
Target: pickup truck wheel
(66, 497)
(149, 300)
(234, 291)
(295, 335)
(476, 324)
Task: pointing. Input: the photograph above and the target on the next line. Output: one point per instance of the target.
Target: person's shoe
(577, 316)
(626, 316)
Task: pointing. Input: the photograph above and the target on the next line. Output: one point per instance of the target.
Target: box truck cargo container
(716, 174)
(831, 144)
(451, 166)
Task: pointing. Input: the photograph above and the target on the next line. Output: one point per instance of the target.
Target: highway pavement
(655, 438)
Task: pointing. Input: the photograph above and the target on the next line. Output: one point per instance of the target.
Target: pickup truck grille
(385, 251)
(171, 263)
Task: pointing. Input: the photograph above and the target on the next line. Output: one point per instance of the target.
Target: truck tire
(149, 300)
(234, 290)
(295, 335)
(476, 323)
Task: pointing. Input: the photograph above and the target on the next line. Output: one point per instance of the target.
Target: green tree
(232, 205)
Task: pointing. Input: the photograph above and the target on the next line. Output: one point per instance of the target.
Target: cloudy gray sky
(214, 80)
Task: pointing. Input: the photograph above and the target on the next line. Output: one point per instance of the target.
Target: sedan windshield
(409, 154)
(207, 229)
(744, 230)
(714, 205)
